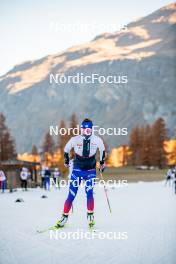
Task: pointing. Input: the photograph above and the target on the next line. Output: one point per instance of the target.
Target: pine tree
(62, 140)
(34, 151)
(159, 136)
(63, 137)
(48, 146)
(135, 146)
(147, 144)
(146, 149)
(124, 155)
(7, 143)
(73, 124)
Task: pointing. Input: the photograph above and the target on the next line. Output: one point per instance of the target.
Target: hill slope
(145, 52)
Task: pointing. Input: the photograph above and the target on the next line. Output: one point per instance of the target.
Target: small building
(12, 169)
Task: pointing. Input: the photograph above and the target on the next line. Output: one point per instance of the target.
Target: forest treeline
(146, 144)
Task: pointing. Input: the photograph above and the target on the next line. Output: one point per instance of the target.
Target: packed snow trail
(146, 211)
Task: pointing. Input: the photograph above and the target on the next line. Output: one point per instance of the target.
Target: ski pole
(101, 175)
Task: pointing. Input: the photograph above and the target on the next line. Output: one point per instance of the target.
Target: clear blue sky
(32, 29)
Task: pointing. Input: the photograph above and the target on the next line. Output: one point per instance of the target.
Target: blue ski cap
(87, 124)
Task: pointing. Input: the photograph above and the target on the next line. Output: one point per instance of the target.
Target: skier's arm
(67, 149)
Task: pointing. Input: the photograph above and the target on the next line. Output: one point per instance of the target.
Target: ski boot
(61, 223)
(90, 218)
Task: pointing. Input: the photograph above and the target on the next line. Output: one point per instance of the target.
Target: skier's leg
(25, 184)
(73, 188)
(90, 182)
(45, 183)
(59, 183)
(48, 183)
(4, 185)
(169, 180)
(21, 184)
(166, 182)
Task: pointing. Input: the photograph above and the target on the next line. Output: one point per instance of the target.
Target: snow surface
(146, 211)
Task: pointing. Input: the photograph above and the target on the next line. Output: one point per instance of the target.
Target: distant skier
(2, 181)
(24, 177)
(56, 176)
(84, 168)
(42, 174)
(174, 178)
(47, 176)
(169, 176)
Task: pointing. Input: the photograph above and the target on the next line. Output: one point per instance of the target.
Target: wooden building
(12, 169)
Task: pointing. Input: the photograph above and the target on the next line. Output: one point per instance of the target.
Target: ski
(52, 228)
(93, 230)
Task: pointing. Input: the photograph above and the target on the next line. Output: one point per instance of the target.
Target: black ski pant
(24, 184)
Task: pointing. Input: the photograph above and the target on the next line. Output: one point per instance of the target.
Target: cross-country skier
(174, 178)
(42, 174)
(56, 176)
(24, 177)
(47, 176)
(84, 168)
(2, 180)
(169, 176)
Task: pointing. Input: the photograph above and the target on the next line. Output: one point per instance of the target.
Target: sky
(33, 29)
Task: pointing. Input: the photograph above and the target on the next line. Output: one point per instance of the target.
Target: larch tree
(48, 146)
(159, 136)
(62, 140)
(7, 143)
(146, 148)
(134, 144)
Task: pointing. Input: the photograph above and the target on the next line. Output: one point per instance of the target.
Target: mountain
(145, 52)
